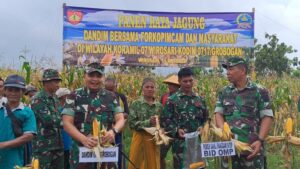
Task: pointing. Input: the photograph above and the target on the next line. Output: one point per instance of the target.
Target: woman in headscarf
(144, 153)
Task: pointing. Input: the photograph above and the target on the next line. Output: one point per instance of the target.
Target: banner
(217, 149)
(110, 154)
(136, 38)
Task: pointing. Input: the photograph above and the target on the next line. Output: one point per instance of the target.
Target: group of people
(58, 116)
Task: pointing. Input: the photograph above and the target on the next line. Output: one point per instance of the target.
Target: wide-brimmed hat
(172, 80)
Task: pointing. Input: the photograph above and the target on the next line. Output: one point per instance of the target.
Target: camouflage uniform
(84, 106)
(48, 145)
(183, 112)
(243, 110)
(139, 118)
(140, 113)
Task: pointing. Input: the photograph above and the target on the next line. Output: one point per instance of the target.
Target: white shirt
(3, 100)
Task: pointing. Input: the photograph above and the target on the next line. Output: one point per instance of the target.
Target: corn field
(284, 92)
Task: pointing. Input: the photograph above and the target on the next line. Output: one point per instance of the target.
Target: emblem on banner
(244, 21)
(74, 17)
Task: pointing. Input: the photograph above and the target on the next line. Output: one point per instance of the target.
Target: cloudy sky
(36, 25)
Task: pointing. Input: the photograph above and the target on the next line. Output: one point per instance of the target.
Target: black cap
(15, 81)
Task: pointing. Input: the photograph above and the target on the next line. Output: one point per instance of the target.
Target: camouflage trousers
(164, 149)
(242, 162)
(178, 150)
(50, 159)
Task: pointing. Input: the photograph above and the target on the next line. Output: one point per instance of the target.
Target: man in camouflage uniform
(48, 145)
(185, 112)
(173, 86)
(85, 104)
(246, 107)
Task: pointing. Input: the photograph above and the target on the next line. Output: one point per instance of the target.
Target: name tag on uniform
(217, 149)
(110, 154)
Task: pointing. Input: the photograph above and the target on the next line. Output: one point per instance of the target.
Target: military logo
(244, 21)
(74, 17)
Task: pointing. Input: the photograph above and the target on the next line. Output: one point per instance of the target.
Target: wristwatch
(115, 131)
(261, 140)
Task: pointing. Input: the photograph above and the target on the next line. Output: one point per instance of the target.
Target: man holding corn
(82, 107)
(246, 107)
(184, 115)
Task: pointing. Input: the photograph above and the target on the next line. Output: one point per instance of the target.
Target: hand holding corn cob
(225, 134)
(98, 134)
(159, 135)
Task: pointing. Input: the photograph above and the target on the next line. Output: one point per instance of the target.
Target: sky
(33, 28)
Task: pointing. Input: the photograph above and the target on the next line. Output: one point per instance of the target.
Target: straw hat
(172, 80)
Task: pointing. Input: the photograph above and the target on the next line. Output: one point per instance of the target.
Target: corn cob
(274, 139)
(226, 134)
(158, 135)
(294, 140)
(95, 128)
(196, 165)
(217, 131)
(35, 163)
(241, 147)
(289, 126)
(205, 133)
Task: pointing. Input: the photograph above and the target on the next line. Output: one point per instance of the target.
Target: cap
(233, 61)
(172, 79)
(50, 74)
(62, 92)
(15, 81)
(30, 88)
(95, 67)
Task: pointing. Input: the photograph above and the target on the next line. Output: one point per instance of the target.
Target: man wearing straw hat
(48, 145)
(173, 86)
